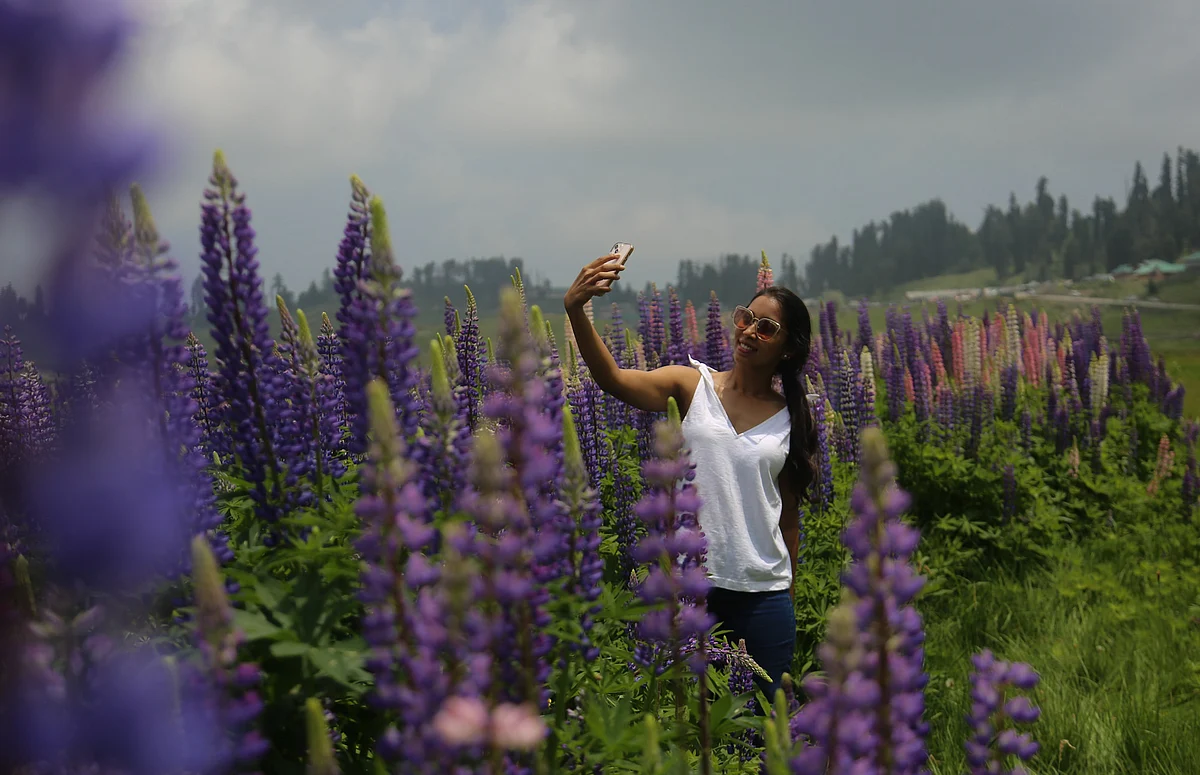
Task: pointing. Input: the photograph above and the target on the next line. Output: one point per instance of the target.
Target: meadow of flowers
(485, 565)
(344, 550)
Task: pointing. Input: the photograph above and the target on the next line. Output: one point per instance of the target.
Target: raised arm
(646, 390)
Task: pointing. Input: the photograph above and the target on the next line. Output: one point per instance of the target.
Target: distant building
(1124, 270)
(1155, 269)
(1191, 261)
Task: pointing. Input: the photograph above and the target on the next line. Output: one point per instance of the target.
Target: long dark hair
(800, 468)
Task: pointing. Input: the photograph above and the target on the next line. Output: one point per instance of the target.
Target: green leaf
(254, 625)
(341, 665)
(289, 648)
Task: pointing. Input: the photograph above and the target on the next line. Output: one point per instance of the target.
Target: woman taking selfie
(752, 447)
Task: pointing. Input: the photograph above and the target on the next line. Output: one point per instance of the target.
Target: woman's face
(748, 348)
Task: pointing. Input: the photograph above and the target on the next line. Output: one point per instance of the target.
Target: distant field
(1183, 289)
(1173, 334)
(973, 279)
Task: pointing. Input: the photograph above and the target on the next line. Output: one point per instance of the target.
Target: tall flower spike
(870, 708)
(396, 536)
(526, 403)
(766, 277)
(446, 436)
(55, 116)
(717, 353)
(472, 360)
(677, 346)
(994, 737)
(587, 566)
(673, 550)
(378, 341)
(244, 350)
(219, 640)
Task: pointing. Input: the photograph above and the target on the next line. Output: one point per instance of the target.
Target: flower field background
(350, 548)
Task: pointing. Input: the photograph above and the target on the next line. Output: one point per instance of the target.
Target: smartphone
(622, 251)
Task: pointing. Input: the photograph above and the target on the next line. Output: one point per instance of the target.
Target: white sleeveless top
(737, 481)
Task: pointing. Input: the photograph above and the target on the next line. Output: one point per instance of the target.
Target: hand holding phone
(621, 252)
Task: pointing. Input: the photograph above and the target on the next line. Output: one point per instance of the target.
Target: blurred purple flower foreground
(54, 54)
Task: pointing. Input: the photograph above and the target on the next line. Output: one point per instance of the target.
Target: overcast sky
(549, 130)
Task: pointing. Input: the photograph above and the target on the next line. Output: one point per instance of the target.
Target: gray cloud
(550, 129)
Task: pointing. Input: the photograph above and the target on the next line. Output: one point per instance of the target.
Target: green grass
(1184, 289)
(1114, 635)
(976, 278)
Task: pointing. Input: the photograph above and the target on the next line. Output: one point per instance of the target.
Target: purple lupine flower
(353, 257)
(311, 438)
(741, 681)
(1027, 430)
(378, 341)
(869, 706)
(129, 715)
(993, 714)
(678, 349)
(56, 58)
(472, 360)
(144, 425)
(944, 329)
(170, 381)
(393, 510)
(831, 318)
(865, 337)
(1172, 403)
(893, 373)
(656, 344)
(616, 412)
(585, 400)
(1061, 428)
(528, 414)
(716, 337)
(204, 395)
(37, 420)
(923, 395)
(351, 271)
(447, 435)
(1008, 392)
(864, 392)
(218, 640)
(27, 429)
(244, 351)
(945, 410)
(329, 348)
(130, 511)
(821, 411)
(848, 409)
(1134, 349)
(450, 318)
(586, 564)
(645, 317)
(673, 548)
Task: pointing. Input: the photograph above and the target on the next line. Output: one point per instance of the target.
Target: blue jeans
(767, 622)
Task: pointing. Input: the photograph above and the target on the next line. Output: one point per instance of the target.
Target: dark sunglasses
(764, 328)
